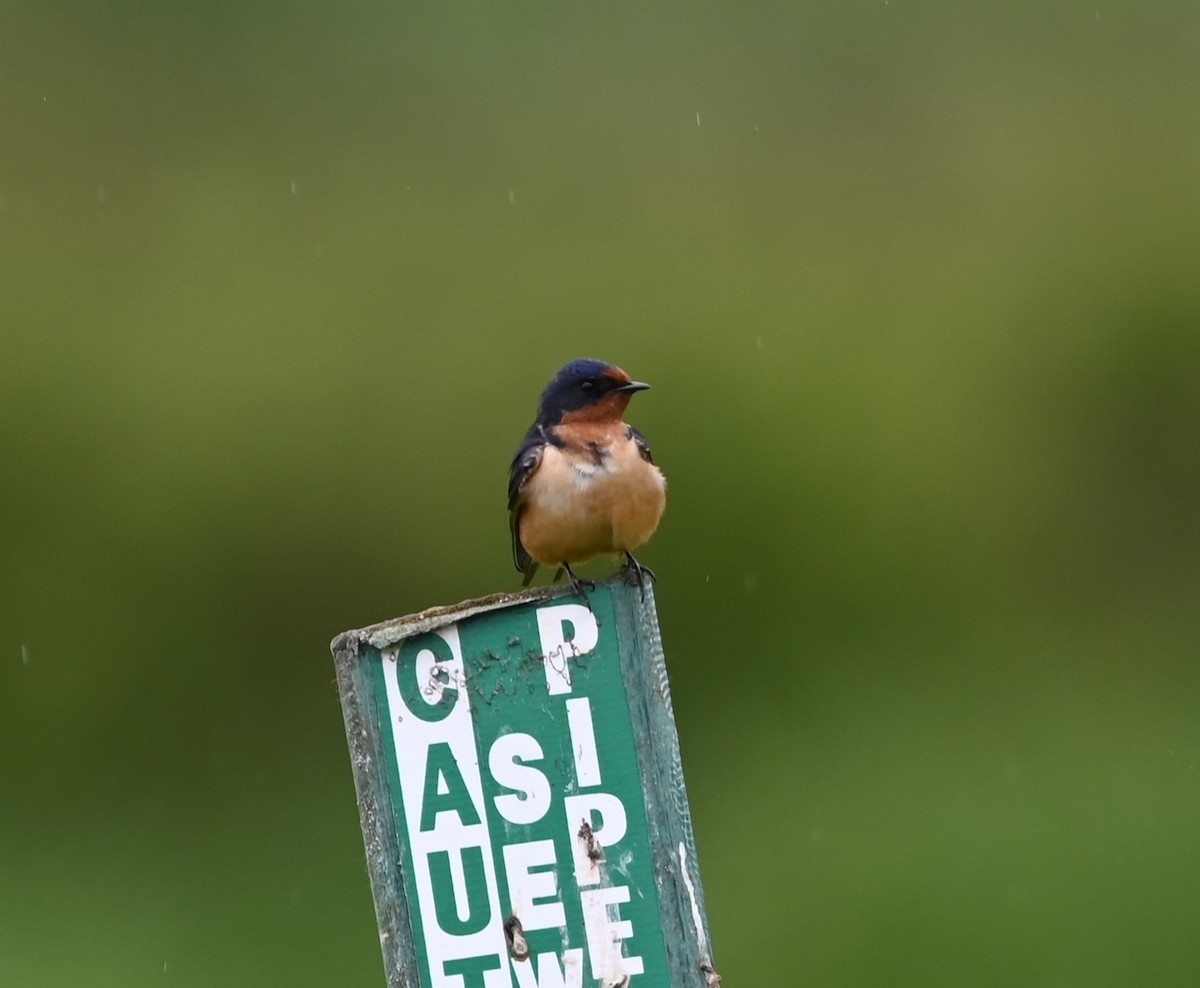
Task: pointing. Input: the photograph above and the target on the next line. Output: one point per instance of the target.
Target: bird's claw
(578, 586)
(634, 573)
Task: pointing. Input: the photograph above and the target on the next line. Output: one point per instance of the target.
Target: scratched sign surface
(518, 801)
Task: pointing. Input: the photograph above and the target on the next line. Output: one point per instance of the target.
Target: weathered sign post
(521, 794)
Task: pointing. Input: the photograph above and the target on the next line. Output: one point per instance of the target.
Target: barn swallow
(583, 481)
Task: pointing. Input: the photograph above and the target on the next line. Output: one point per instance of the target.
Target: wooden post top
(521, 795)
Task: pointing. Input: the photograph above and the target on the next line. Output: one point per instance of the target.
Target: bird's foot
(634, 573)
(578, 586)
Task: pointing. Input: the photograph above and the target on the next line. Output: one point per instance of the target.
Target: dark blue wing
(525, 462)
(642, 445)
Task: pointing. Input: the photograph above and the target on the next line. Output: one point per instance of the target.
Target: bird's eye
(586, 385)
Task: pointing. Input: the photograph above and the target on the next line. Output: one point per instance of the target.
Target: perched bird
(583, 481)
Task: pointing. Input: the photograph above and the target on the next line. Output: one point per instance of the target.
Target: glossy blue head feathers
(583, 384)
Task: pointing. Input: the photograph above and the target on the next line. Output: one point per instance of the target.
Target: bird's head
(587, 391)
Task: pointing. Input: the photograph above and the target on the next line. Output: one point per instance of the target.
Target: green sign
(521, 795)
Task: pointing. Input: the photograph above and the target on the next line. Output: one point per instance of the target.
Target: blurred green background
(918, 290)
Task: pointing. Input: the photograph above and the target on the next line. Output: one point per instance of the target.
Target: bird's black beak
(633, 386)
